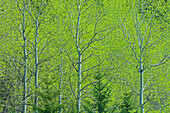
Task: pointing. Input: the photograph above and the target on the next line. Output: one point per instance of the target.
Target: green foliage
(119, 21)
(157, 12)
(128, 105)
(48, 97)
(100, 95)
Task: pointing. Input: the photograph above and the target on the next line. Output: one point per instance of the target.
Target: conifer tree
(48, 97)
(128, 106)
(100, 95)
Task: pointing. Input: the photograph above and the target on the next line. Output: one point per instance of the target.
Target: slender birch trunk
(141, 78)
(25, 61)
(141, 66)
(36, 63)
(79, 62)
(60, 85)
(79, 83)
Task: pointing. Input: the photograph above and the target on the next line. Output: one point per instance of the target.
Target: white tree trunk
(60, 85)
(79, 84)
(36, 63)
(25, 62)
(79, 62)
(141, 66)
(141, 78)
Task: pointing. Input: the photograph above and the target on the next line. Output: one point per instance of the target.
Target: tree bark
(36, 64)
(25, 62)
(60, 85)
(79, 62)
(141, 79)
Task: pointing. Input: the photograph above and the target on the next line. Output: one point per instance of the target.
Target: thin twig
(72, 88)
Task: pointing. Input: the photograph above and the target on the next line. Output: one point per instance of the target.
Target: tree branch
(30, 12)
(72, 88)
(128, 85)
(71, 61)
(161, 62)
(87, 57)
(88, 44)
(92, 67)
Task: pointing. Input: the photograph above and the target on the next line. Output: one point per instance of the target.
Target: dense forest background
(84, 56)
